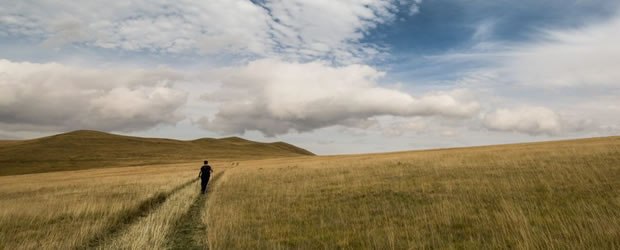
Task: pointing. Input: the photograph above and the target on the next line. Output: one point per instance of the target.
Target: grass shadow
(130, 216)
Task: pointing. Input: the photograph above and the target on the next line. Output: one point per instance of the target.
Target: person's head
(206, 162)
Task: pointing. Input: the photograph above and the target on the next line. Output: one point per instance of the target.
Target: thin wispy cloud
(294, 29)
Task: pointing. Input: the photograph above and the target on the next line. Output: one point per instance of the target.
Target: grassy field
(121, 208)
(555, 195)
(84, 149)
(66, 210)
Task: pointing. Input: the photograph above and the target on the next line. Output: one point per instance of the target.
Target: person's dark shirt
(205, 171)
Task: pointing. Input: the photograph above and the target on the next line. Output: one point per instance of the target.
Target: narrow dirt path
(127, 218)
(189, 228)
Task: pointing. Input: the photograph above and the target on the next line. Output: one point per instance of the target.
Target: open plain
(551, 195)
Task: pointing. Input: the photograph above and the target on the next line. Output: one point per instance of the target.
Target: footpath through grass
(190, 228)
(79, 209)
(130, 216)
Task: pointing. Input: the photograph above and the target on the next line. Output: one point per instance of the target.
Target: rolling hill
(85, 149)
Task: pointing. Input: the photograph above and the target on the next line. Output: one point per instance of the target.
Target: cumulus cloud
(275, 97)
(533, 120)
(58, 97)
(574, 70)
(300, 29)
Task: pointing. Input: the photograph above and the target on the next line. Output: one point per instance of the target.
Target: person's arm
(199, 173)
(211, 169)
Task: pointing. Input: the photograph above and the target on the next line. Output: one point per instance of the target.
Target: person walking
(204, 175)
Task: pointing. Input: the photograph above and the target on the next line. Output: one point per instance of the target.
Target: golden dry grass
(151, 231)
(557, 195)
(81, 209)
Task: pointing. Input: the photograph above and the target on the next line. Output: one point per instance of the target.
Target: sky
(331, 76)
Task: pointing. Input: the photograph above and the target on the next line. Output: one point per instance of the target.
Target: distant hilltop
(85, 149)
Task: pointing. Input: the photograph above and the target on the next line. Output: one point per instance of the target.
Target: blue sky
(331, 76)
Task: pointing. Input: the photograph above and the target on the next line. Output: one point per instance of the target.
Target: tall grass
(66, 210)
(150, 232)
(561, 195)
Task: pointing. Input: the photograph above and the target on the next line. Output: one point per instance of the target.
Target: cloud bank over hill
(275, 97)
(534, 121)
(55, 97)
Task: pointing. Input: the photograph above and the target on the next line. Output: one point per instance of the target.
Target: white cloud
(298, 29)
(604, 109)
(589, 56)
(484, 30)
(275, 97)
(574, 71)
(332, 28)
(58, 97)
(533, 120)
(449, 133)
(410, 125)
(66, 31)
(414, 8)
(585, 57)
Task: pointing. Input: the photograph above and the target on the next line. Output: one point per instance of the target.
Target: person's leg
(206, 183)
(203, 186)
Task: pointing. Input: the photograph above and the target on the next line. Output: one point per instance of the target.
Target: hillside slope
(549, 195)
(92, 149)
